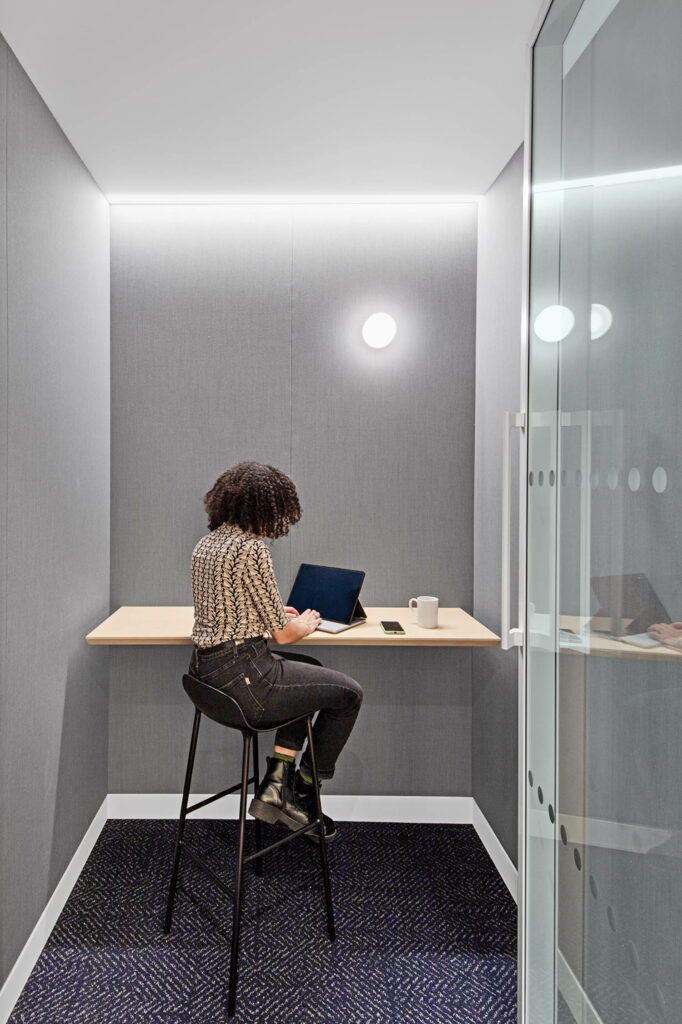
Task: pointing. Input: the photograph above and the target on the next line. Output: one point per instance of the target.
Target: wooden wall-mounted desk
(133, 625)
(603, 646)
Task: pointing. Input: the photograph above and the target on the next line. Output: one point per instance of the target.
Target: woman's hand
(668, 633)
(290, 612)
(298, 627)
(310, 619)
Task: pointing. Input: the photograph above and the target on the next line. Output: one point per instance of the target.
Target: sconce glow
(554, 323)
(379, 330)
(601, 319)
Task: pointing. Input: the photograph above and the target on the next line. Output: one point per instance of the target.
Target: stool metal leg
(181, 820)
(256, 784)
(321, 836)
(236, 917)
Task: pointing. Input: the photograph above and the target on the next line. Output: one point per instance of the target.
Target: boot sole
(274, 816)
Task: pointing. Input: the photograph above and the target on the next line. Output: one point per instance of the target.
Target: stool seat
(222, 708)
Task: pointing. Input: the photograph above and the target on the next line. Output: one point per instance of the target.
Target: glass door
(602, 893)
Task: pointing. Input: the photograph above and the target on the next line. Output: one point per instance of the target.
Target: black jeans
(271, 688)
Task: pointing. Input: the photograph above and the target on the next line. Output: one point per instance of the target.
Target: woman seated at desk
(667, 633)
(236, 602)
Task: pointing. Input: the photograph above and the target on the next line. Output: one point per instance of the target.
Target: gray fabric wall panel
(5, 703)
(382, 455)
(201, 346)
(498, 375)
(383, 438)
(53, 730)
(201, 356)
(413, 735)
(380, 445)
(3, 377)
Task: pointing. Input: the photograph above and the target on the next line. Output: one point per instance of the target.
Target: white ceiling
(281, 96)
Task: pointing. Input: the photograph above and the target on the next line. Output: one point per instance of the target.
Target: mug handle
(412, 604)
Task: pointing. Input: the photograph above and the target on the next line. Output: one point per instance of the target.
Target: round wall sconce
(601, 319)
(554, 323)
(379, 330)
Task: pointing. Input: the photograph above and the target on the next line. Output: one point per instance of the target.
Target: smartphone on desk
(392, 628)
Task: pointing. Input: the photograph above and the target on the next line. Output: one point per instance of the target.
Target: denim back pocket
(219, 670)
(246, 692)
(264, 667)
(242, 678)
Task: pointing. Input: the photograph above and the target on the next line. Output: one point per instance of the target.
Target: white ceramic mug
(426, 609)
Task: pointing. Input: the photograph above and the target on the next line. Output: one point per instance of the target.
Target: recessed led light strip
(655, 174)
(289, 200)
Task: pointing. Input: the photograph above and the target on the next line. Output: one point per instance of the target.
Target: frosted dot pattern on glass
(603, 711)
(633, 954)
(659, 479)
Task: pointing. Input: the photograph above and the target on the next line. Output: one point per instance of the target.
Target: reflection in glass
(603, 898)
(554, 323)
(601, 319)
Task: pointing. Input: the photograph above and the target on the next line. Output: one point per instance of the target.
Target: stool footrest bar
(218, 796)
(281, 842)
(200, 862)
(226, 711)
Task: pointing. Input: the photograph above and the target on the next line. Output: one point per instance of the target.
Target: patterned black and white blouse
(234, 587)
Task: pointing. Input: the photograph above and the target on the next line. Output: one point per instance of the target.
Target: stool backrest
(214, 703)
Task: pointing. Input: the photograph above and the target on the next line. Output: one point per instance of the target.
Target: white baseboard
(451, 810)
(18, 976)
(496, 851)
(576, 997)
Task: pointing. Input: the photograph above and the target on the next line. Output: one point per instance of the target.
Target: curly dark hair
(255, 497)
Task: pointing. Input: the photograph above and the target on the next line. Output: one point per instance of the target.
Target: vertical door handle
(511, 637)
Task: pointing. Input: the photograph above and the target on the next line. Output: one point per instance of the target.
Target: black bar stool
(222, 708)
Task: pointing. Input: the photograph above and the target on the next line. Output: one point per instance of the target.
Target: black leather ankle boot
(277, 800)
(274, 800)
(304, 794)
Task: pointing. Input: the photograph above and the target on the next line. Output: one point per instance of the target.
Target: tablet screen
(332, 592)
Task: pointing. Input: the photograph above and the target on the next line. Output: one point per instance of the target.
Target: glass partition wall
(603, 808)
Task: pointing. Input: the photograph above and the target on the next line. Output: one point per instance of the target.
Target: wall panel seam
(291, 372)
(5, 530)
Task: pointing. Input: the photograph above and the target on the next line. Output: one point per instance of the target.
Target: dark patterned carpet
(426, 933)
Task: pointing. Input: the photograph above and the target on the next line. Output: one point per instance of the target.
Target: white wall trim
(496, 851)
(576, 997)
(450, 810)
(18, 976)
(453, 810)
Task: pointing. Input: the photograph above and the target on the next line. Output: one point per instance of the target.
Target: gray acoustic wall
(498, 376)
(54, 540)
(236, 335)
